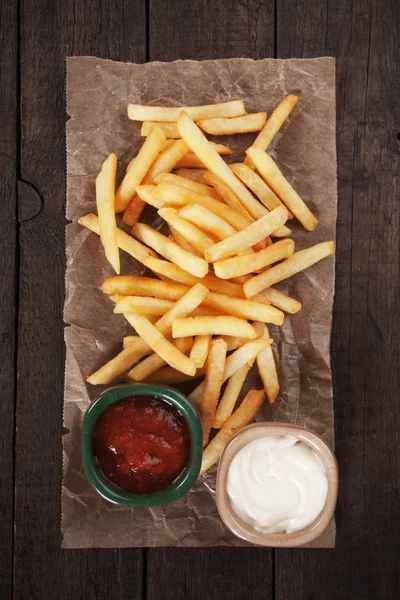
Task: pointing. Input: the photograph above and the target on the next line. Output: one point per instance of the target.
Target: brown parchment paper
(97, 94)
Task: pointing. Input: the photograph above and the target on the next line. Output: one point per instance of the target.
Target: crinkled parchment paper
(97, 94)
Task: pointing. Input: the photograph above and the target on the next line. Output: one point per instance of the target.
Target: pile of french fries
(207, 312)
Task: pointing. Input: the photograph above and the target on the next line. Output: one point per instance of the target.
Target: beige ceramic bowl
(278, 540)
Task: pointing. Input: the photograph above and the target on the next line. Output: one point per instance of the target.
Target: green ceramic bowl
(114, 493)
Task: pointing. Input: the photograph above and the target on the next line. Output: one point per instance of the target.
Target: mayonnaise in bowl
(277, 484)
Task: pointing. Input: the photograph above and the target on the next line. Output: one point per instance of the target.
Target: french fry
(134, 352)
(257, 186)
(244, 309)
(298, 262)
(132, 285)
(130, 339)
(137, 112)
(248, 237)
(212, 386)
(275, 179)
(161, 345)
(164, 163)
(191, 161)
(230, 395)
(154, 362)
(200, 145)
(175, 195)
(214, 284)
(246, 123)
(266, 366)
(244, 354)
(105, 200)
(234, 342)
(200, 188)
(145, 193)
(240, 418)
(226, 193)
(196, 175)
(200, 349)
(126, 242)
(196, 238)
(142, 305)
(222, 325)
(205, 219)
(278, 299)
(166, 144)
(274, 123)
(170, 129)
(249, 263)
(170, 376)
(135, 175)
(179, 239)
(169, 249)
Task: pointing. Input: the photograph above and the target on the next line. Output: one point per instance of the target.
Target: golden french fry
(200, 145)
(182, 242)
(275, 179)
(221, 325)
(126, 242)
(105, 200)
(134, 210)
(205, 219)
(170, 376)
(135, 175)
(135, 351)
(274, 123)
(193, 264)
(170, 129)
(257, 186)
(142, 305)
(214, 284)
(137, 112)
(191, 161)
(161, 345)
(226, 193)
(248, 237)
(196, 175)
(249, 263)
(132, 285)
(196, 238)
(298, 262)
(200, 188)
(167, 160)
(145, 193)
(266, 366)
(175, 195)
(244, 309)
(130, 339)
(234, 342)
(230, 395)
(246, 353)
(278, 299)
(154, 362)
(241, 417)
(200, 349)
(212, 386)
(246, 123)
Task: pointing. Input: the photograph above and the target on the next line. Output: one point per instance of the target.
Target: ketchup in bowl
(141, 444)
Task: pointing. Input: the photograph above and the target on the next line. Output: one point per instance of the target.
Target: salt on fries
(217, 266)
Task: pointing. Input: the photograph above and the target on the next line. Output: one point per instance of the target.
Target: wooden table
(36, 36)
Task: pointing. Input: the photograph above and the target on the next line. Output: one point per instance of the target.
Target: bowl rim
(106, 488)
(277, 540)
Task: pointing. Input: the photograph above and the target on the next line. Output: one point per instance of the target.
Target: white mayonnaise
(277, 484)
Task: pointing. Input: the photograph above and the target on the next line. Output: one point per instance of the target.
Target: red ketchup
(141, 444)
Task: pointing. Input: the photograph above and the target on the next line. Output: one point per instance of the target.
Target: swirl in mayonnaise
(277, 484)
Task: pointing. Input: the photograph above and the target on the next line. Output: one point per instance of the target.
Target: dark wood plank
(8, 232)
(361, 34)
(209, 30)
(50, 30)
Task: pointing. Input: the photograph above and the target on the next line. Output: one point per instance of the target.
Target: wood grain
(208, 30)
(365, 358)
(8, 209)
(50, 31)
